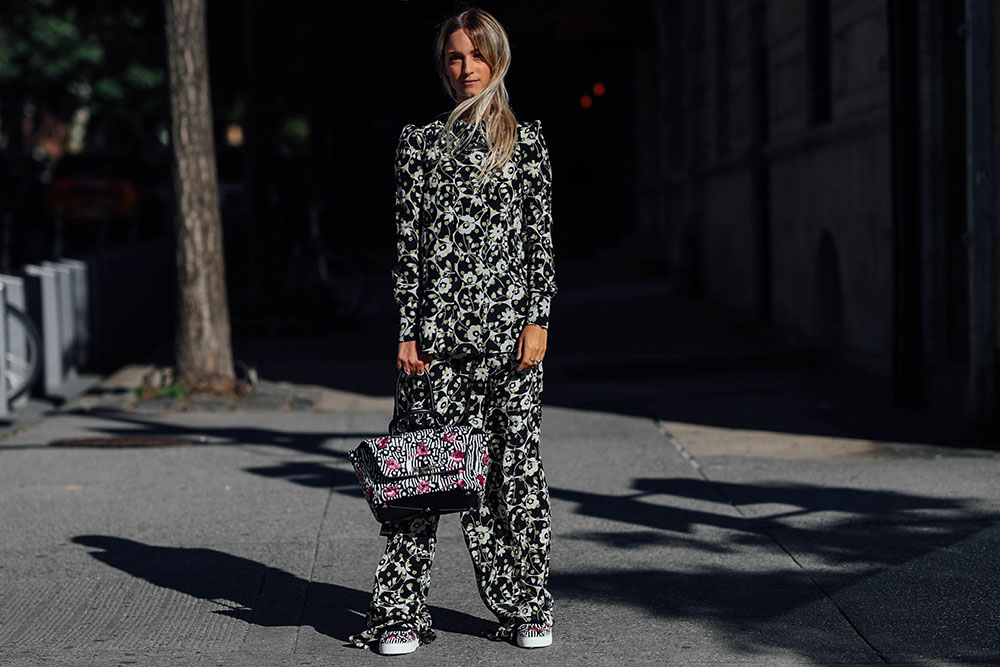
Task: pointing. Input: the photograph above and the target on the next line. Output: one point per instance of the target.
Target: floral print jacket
(475, 261)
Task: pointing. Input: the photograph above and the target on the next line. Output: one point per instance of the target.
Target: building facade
(826, 168)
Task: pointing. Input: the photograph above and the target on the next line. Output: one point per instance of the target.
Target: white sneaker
(398, 642)
(534, 635)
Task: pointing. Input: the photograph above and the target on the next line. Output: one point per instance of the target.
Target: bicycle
(20, 359)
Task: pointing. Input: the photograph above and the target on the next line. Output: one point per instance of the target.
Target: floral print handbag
(436, 470)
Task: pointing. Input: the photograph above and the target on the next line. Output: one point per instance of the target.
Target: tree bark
(202, 346)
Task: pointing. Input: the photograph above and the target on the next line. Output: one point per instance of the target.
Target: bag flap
(422, 452)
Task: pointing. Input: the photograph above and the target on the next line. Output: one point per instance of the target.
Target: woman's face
(467, 72)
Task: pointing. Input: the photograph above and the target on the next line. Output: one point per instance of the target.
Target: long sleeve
(538, 248)
(406, 273)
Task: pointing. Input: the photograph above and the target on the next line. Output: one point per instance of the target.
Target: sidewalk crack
(312, 571)
(673, 440)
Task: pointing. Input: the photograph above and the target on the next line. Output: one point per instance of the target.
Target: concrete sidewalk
(675, 544)
(716, 500)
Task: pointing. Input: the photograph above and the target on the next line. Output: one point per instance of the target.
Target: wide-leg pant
(509, 536)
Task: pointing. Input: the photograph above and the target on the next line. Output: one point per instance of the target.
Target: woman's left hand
(531, 345)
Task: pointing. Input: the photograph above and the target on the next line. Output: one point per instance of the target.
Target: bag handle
(400, 419)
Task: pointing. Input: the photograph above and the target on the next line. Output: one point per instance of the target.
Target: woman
(474, 282)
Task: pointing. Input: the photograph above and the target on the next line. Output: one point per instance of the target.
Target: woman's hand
(531, 345)
(411, 360)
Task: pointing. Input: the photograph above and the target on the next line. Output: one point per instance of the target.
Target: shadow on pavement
(841, 557)
(857, 526)
(309, 473)
(303, 442)
(911, 570)
(252, 591)
(313, 474)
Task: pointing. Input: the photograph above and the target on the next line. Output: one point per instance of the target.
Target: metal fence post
(67, 330)
(3, 351)
(81, 308)
(43, 307)
(17, 343)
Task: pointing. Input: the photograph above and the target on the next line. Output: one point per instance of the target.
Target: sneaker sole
(399, 649)
(534, 642)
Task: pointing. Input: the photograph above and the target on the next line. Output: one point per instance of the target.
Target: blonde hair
(490, 108)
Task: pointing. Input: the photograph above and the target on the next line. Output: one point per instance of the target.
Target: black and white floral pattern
(475, 261)
(475, 266)
(509, 536)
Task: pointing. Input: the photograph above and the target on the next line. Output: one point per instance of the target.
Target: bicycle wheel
(20, 359)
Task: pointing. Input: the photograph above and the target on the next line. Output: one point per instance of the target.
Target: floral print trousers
(509, 536)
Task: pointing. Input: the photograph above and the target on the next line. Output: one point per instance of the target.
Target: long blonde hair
(490, 108)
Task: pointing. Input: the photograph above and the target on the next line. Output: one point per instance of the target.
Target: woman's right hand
(412, 360)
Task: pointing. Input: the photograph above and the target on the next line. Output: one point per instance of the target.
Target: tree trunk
(203, 348)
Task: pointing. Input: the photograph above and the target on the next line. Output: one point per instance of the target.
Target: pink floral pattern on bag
(423, 461)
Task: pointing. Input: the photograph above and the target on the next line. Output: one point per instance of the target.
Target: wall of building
(828, 198)
(771, 176)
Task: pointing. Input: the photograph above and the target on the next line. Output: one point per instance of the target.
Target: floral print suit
(475, 265)
(475, 260)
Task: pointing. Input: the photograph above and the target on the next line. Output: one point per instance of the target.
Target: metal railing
(88, 310)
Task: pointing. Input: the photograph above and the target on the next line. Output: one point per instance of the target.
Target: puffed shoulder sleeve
(538, 248)
(409, 185)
